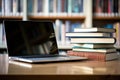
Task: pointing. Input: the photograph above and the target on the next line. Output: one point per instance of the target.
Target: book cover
(94, 29)
(93, 45)
(98, 56)
(51, 2)
(93, 40)
(0, 7)
(105, 50)
(1, 33)
(117, 34)
(40, 6)
(78, 34)
(77, 6)
(69, 7)
(30, 6)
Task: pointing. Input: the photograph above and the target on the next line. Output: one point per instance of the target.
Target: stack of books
(94, 43)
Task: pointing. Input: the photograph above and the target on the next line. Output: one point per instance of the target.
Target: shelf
(10, 17)
(58, 17)
(106, 17)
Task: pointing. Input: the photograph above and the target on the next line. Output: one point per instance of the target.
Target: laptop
(33, 42)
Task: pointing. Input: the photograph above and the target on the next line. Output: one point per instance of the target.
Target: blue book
(30, 6)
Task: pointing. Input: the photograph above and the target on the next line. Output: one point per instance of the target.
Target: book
(1, 33)
(117, 34)
(94, 29)
(110, 40)
(98, 56)
(93, 45)
(105, 50)
(77, 6)
(88, 34)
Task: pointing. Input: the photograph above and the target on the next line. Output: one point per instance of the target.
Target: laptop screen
(26, 38)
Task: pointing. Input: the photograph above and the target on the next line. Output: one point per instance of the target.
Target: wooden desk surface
(72, 68)
(61, 68)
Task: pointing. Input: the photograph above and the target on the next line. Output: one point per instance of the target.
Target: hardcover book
(93, 45)
(94, 29)
(93, 40)
(98, 56)
(94, 50)
(88, 34)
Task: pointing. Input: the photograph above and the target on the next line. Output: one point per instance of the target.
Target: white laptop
(33, 42)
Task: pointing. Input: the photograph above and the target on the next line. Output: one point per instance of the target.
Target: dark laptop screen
(30, 38)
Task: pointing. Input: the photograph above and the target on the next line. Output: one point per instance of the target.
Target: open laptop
(33, 41)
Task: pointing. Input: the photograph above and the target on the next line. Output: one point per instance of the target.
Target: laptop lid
(26, 38)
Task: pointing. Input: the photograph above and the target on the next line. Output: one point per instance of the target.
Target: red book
(98, 56)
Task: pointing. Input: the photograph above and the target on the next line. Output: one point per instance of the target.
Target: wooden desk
(59, 68)
(63, 68)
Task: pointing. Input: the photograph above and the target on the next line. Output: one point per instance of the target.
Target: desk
(77, 70)
(72, 68)
(85, 67)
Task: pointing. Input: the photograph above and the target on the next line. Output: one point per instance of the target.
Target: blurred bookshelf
(66, 14)
(106, 13)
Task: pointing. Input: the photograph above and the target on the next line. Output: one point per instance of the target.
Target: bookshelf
(87, 16)
(107, 13)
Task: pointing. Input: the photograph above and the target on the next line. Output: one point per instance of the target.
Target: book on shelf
(42, 7)
(11, 7)
(76, 6)
(2, 37)
(61, 28)
(56, 7)
(106, 7)
(94, 29)
(110, 40)
(85, 45)
(117, 33)
(87, 34)
(97, 56)
(1, 31)
(105, 50)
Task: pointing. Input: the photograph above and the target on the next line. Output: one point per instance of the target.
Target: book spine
(117, 34)
(0, 34)
(94, 40)
(30, 6)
